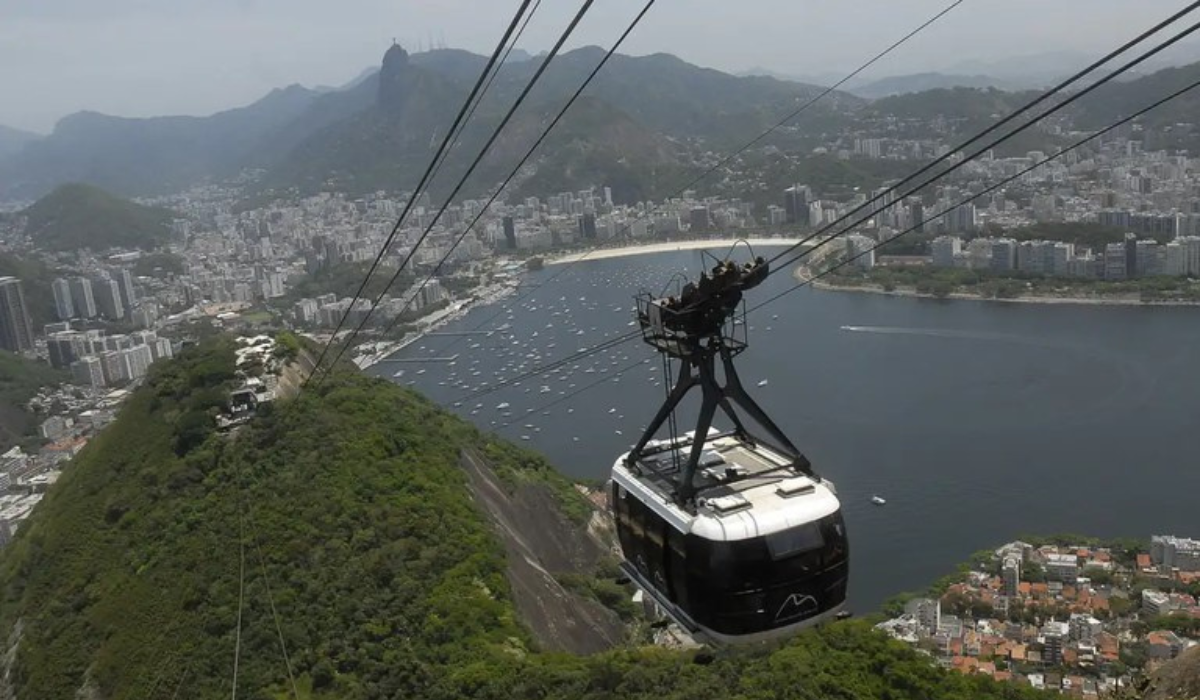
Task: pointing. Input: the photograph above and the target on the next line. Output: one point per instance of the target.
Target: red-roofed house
(1163, 644)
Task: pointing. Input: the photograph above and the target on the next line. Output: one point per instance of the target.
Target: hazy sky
(149, 57)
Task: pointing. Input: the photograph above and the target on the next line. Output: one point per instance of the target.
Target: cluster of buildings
(109, 296)
(24, 477)
(327, 310)
(1114, 183)
(1129, 259)
(1069, 618)
(585, 217)
(97, 359)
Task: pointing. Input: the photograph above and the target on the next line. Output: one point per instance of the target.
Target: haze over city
(138, 58)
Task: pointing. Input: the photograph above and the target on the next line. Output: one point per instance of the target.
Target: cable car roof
(743, 491)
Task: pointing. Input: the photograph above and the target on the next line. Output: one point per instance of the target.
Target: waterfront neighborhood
(1070, 616)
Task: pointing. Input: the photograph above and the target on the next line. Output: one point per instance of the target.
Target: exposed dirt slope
(540, 542)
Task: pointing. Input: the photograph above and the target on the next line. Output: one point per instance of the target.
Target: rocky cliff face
(1177, 680)
(541, 543)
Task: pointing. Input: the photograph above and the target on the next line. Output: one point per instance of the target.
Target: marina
(940, 394)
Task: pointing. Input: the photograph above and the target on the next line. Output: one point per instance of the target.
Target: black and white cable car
(733, 536)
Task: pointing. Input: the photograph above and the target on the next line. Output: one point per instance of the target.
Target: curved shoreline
(667, 247)
(802, 274)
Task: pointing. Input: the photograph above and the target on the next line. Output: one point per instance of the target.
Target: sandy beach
(604, 253)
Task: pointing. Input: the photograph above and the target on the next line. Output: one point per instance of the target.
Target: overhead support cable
(1012, 116)
(778, 125)
(810, 280)
(463, 180)
(434, 163)
(520, 164)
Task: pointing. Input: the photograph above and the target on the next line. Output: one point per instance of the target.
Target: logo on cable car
(797, 607)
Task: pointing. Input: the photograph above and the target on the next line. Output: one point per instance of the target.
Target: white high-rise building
(1168, 552)
(1192, 254)
(1011, 573)
(63, 305)
(945, 250)
(1054, 635)
(1175, 259)
(162, 348)
(137, 361)
(82, 298)
(114, 366)
(88, 371)
(861, 250)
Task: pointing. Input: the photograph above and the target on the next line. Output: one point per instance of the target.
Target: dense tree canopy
(363, 555)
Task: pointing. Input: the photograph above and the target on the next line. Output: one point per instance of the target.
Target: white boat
(762, 383)
(501, 406)
(878, 500)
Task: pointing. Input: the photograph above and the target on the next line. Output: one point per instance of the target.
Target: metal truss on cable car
(732, 534)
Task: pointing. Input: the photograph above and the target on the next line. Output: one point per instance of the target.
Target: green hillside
(20, 379)
(363, 551)
(82, 216)
(35, 282)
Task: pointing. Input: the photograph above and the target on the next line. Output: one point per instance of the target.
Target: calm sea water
(976, 421)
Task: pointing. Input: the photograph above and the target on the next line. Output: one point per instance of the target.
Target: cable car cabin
(763, 556)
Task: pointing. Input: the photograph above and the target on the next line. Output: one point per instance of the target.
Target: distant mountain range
(379, 130)
(644, 124)
(920, 82)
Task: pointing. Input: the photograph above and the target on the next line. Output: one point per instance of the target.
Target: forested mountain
(358, 139)
(920, 82)
(643, 122)
(20, 380)
(78, 216)
(372, 552)
(1174, 124)
(640, 122)
(150, 156)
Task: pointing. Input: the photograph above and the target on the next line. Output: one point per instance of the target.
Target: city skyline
(133, 60)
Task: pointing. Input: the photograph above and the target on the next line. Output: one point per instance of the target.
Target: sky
(153, 57)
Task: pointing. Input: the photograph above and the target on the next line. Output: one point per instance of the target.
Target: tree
(1098, 575)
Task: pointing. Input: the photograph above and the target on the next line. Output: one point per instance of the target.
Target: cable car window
(834, 530)
(805, 538)
(637, 515)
